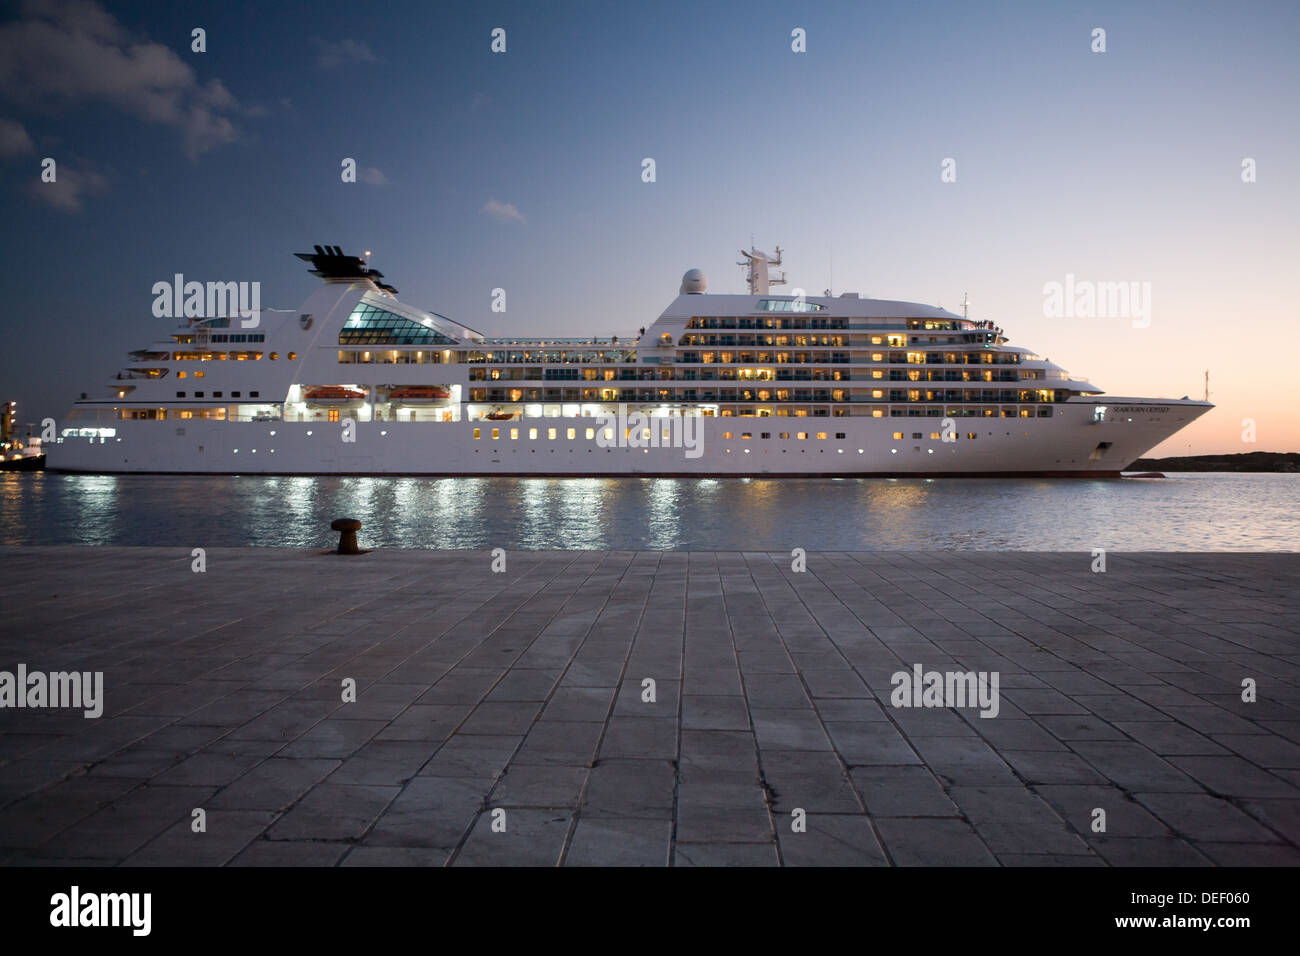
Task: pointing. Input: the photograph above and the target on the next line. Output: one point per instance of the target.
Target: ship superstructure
(357, 382)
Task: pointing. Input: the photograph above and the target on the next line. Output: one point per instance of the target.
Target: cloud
(372, 176)
(66, 53)
(70, 185)
(503, 211)
(329, 55)
(14, 140)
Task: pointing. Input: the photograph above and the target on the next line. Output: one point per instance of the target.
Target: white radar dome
(694, 283)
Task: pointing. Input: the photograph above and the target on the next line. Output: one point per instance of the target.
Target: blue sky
(1115, 166)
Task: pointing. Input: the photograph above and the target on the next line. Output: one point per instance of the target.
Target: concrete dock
(507, 719)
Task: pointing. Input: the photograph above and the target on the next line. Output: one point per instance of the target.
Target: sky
(913, 150)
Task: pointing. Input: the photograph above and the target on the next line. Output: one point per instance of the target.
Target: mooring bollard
(347, 528)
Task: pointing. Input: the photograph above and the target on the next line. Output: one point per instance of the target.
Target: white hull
(1065, 444)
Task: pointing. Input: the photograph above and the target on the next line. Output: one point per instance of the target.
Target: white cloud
(70, 185)
(372, 176)
(503, 211)
(65, 53)
(14, 140)
(329, 55)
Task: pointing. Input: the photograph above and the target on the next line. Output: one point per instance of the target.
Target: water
(1186, 512)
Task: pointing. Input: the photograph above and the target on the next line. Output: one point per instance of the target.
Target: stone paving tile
(631, 788)
(542, 785)
(725, 854)
(831, 840)
(227, 833)
(290, 853)
(911, 791)
(920, 841)
(333, 812)
(1134, 767)
(620, 841)
(530, 838)
(429, 812)
(773, 695)
(396, 856)
(1203, 818)
(1234, 776)
(274, 784)
(1015, 820)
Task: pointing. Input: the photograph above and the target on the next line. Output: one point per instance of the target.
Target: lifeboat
(497, 415)
(335, 396)
(419, 394)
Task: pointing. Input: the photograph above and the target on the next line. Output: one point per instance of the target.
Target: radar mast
(757, 276)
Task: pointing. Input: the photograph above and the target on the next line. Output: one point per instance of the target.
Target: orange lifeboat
(419, 394)
(333, 395)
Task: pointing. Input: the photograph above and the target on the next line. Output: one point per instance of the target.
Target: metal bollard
(347, 528)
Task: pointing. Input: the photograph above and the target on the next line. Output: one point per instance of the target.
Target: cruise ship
(357, 382)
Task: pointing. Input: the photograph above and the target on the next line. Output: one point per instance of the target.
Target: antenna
(965, 305)
(1207, 384)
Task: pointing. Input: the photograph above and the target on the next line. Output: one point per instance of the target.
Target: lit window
(726, 435)
(198, 374)
(801, 435)
(496, 433)
(609, 434)
(934, 436)
(293, 356)
(369, 325)
(477, 434)
(746, 435)
(821, 435)
(571, 434)
(898, 436)
(180, 374)
(783, 435)
(274, 356)
(591, 433)
(514, 434)
(972, 435)
(550, 433)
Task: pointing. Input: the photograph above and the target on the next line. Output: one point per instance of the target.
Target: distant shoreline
(1260, 461)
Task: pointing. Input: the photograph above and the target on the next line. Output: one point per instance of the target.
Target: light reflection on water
(1190, 512)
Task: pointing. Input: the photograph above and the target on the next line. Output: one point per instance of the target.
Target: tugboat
(18, 454)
